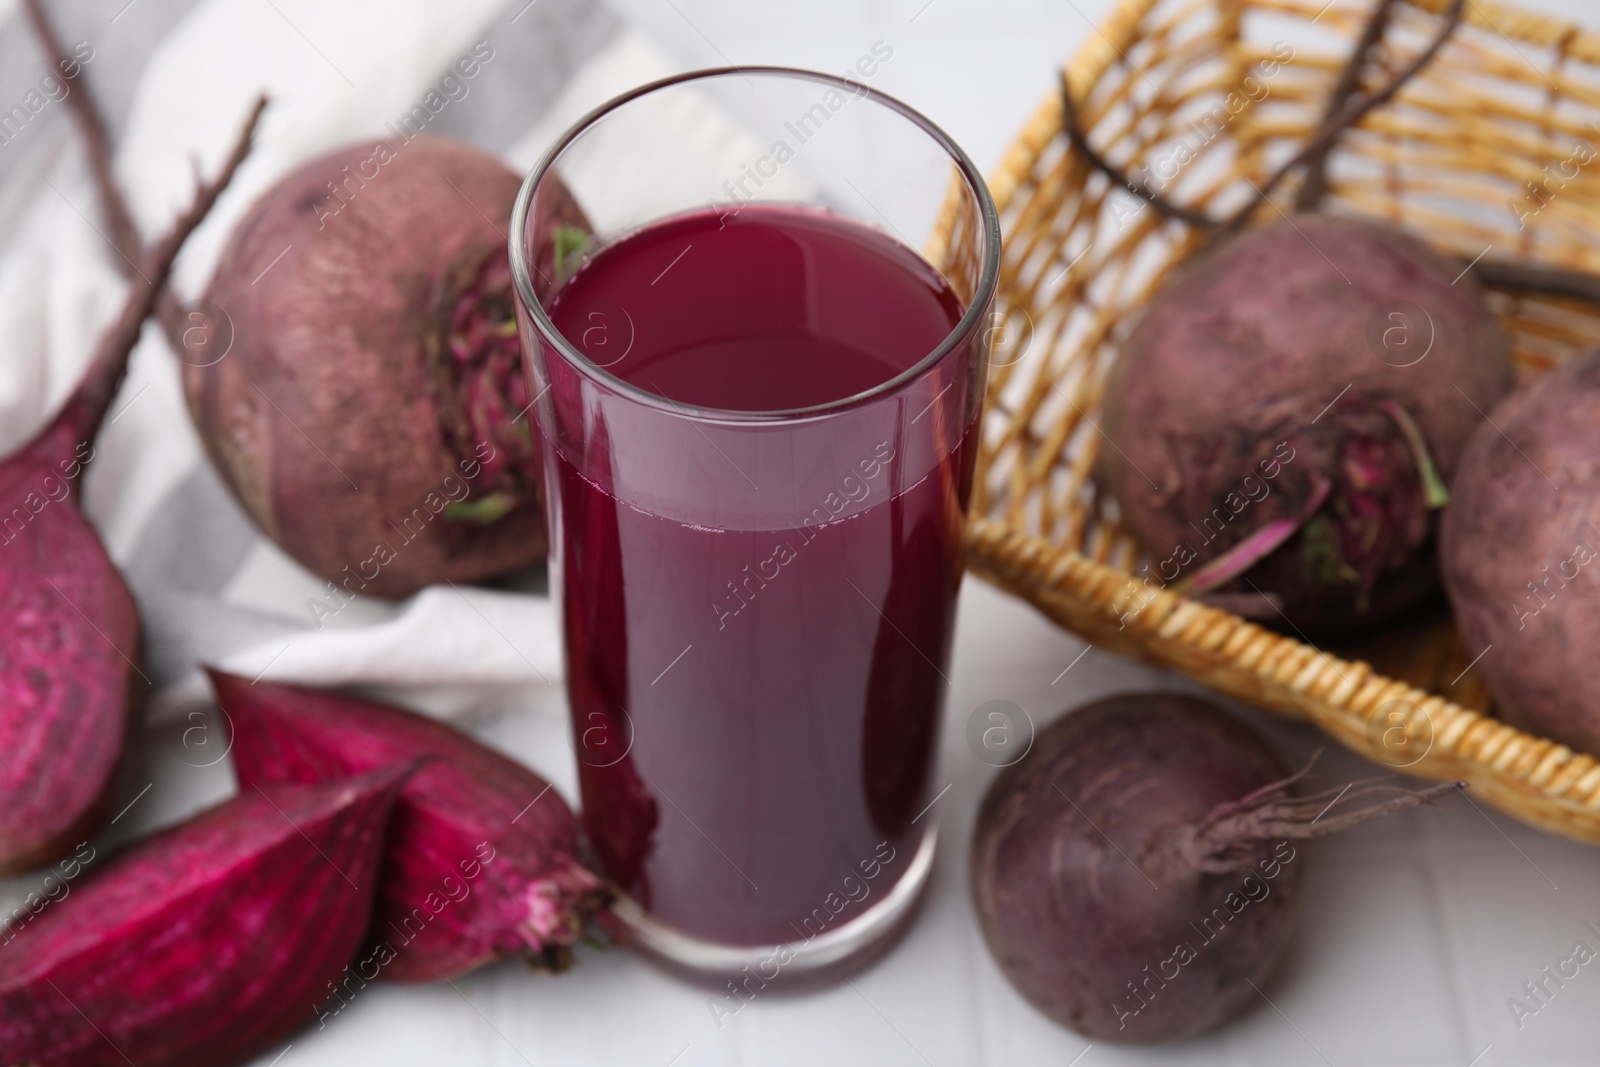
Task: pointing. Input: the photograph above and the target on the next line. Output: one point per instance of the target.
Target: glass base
(825, 958)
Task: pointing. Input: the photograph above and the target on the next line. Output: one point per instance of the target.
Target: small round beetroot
(1286, 414)
(1519, 545)
(370, 414)
(1135, 874)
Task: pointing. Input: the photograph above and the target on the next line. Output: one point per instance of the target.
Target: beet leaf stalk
(1231, 836)
(124, 235)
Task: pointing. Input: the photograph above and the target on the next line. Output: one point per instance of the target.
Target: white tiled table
(1413, 934)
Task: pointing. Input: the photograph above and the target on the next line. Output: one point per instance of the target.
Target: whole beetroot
(371, 413)
(1134, 874)
(1286, 414)
(481, 855)
(1518, 545)
(207, 944)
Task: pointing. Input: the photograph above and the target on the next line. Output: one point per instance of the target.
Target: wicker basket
(1510, 93)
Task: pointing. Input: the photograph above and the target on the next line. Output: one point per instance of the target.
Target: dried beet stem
(1230, 837)
(1339, 116)
(1342, 118)
(1536, 278)
(96, 143)
(93, 397)
(86, 113)
(1314, 187)
(1072, 125)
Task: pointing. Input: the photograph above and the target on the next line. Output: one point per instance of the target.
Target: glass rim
(522, 279)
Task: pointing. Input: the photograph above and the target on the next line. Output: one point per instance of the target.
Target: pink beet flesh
(481, 858)
(207, 944)
(68, 630)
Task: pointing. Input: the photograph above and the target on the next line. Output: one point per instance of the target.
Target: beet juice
(756, 662)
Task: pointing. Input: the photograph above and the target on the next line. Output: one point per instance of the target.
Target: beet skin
(1135, 873)
(1297, 383)
(1519, 546)
(1076, 926)
(371, 412)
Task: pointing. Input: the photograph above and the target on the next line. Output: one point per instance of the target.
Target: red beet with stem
(1287, 414)
(69, 631)
(1135, 874)
(482, 852)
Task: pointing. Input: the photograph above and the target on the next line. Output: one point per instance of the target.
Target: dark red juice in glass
(756, 702)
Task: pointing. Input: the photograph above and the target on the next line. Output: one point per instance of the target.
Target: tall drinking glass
(759, 413)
